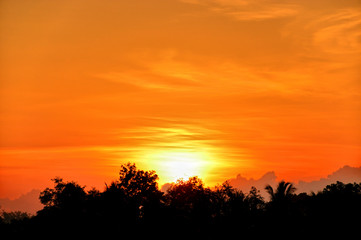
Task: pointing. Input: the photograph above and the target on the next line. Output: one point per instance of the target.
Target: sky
(212, 88)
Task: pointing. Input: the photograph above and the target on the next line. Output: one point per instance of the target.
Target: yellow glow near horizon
(175, 151)
(177, 164)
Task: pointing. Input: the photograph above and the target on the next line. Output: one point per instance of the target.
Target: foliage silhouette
(133, 204)
(65, 196)
(282, 193)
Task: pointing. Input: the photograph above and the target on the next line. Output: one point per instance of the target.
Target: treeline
(134, 206)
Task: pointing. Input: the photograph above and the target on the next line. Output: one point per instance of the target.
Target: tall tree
(135, 193)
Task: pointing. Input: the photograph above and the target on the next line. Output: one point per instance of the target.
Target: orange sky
(185, 87)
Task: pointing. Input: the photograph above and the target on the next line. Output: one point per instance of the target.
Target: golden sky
(185, 87)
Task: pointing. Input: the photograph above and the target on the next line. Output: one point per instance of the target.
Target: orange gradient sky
(185, 87)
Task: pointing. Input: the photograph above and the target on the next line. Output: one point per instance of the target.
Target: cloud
(345, 174)
(171, 135)
(325, 35)
(244, 10)
(264, 13)
(339, 33)
(150, 80)
(157, 70)
(28, 202)
(245, 184)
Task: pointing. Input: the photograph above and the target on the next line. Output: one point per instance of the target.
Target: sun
(177, 164)
(178, 152)
(183, 164)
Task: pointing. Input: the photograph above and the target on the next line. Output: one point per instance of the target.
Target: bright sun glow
(183, 164)
(173, 165)
(176, 152)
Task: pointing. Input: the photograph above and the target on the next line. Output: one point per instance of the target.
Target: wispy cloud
(181, 136)
(340, 32)
(150, 80)
(244, 10)
(158, 71)
(255, 13)
(323, 33)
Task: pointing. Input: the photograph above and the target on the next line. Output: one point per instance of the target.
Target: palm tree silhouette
(283, 191)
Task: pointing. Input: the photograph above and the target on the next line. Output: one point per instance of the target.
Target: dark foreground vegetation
(133, 206)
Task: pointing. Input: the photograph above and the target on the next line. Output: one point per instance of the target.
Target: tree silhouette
(279, 210)
(232, 200)
(283, 191)
(64, 195)
(189, 200)
(337, 207)
(254, 200)
(132, 200)
(12, 216)
(133, 205)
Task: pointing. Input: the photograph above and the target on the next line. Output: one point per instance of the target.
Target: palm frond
(290, 189)
(269, 190)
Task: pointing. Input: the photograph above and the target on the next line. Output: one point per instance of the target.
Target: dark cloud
(345, 174)
(28, 202)
(245, 184)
